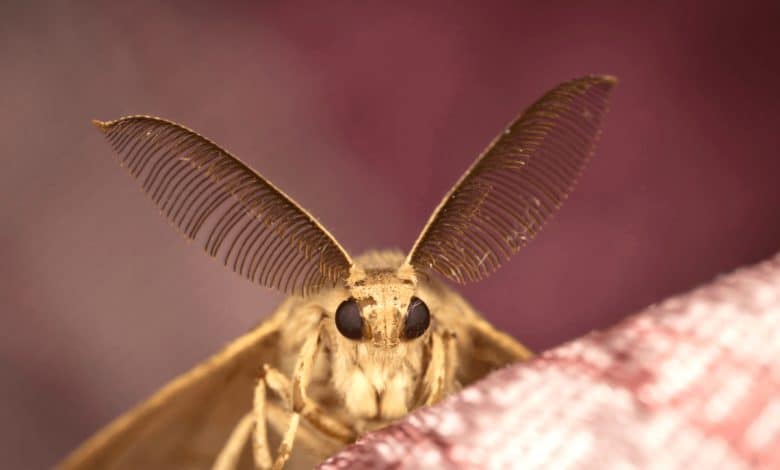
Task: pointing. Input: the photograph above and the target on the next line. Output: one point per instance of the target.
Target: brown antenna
(206, 192)
(516, 185)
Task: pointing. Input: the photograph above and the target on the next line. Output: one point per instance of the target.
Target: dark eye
(348, 319)
(418, 318)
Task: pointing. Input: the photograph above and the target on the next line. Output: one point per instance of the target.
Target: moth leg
(286, 423)
(450, 361)
(294, 395)
(323, 446)
(260, 450)
(316, 416)
(231, 453)
(440, 375)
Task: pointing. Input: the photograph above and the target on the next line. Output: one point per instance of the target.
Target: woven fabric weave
(691, 382)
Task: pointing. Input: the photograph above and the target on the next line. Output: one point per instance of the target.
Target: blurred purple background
(366, 115)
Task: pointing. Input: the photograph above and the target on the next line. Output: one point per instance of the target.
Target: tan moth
(360, 341)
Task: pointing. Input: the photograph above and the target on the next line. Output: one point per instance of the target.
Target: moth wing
(486, 349)
(482, 348)
(187, 422)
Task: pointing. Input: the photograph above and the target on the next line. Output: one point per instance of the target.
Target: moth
(360, 341)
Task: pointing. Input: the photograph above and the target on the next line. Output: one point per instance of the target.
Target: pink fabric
(692, 382)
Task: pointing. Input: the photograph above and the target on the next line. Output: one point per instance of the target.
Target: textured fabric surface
(691, 382)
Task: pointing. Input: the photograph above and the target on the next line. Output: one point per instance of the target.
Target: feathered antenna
(516, 185)
(203, 190)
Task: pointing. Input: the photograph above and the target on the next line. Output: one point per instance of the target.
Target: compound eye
(418, 318)
(349, 321)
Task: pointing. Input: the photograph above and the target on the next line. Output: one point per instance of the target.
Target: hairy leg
(279, 419)
(260, 451)
(320, 445)
(450, 361)
(311, 412)
(440, 375)
(293, 394)
(231, 453)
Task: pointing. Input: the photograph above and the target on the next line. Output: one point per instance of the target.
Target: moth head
(383, 308)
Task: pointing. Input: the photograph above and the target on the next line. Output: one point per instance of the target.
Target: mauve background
(366, 115)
